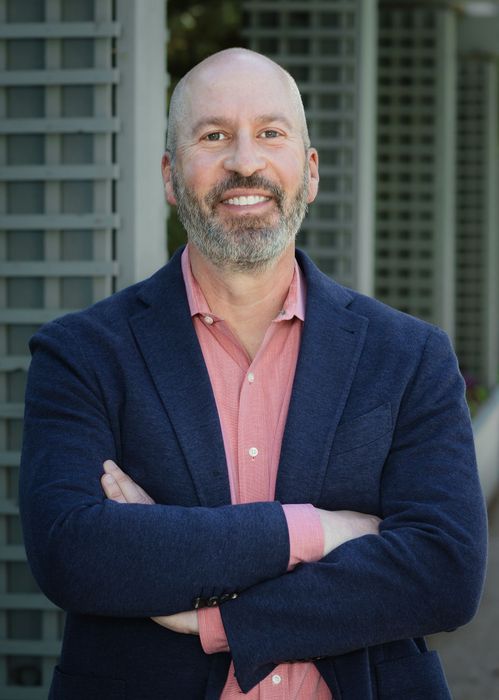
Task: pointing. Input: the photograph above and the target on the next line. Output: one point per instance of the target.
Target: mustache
(236, 181)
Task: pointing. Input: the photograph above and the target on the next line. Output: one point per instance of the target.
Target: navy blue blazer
(377, 423)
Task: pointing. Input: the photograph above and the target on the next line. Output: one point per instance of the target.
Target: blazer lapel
(168, 343)
(332, 341)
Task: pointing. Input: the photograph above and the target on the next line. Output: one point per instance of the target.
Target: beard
(240, 243)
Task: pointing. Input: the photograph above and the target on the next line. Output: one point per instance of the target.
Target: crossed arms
(338, 527)
(423, 573)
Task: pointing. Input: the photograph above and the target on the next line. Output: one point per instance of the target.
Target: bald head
(212, 69)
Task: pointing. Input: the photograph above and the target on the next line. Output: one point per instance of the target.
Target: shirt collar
(294, 304)
(195, 296)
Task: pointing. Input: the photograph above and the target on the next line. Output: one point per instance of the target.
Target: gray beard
(242, 244)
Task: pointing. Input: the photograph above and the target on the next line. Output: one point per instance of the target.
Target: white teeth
(244, 201)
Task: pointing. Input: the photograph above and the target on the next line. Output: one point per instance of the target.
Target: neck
(248, 301)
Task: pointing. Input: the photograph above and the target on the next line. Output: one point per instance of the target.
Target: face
(241, 178)
(246, 240)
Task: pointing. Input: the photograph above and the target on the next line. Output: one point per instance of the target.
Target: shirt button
(251, 377)
(208, 320)
(252, 452)
(276, 679)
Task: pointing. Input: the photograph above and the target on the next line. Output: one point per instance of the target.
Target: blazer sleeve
(92, 555)
(422, 574)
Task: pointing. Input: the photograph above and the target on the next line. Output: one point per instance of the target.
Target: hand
(183, 622)
(119, 487)
(340, 526)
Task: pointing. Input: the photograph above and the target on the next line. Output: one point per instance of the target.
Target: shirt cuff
(211, 631)
(306, 536)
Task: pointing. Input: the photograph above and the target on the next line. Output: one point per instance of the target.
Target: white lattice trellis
(63, 147)
(329, 48)
(477, 305)
(416, 159)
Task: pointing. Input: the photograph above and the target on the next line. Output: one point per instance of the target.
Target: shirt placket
(252, 439)
(252, 449)
(255, 441)
(276, 685)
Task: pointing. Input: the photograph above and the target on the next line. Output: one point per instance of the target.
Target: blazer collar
(331, 345)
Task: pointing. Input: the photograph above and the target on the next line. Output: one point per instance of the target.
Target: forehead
(241, 90)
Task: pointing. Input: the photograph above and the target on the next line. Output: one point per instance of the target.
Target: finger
(146, 499)
(112, 489)
(128, 487)
(183, 622)
(111, 467)
(164, 620)
(171, 622)
(131, 491)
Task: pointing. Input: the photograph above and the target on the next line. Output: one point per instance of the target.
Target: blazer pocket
(356, 460)
(413, 678)
(69, 687)
(363, 430)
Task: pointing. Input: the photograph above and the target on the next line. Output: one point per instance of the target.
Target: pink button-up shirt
(252, 398)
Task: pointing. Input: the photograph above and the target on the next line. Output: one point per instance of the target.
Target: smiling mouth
(245, 201)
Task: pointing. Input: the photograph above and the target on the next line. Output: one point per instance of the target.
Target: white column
(445, 217)
(141, 104)
(491, 282)
(365, 154)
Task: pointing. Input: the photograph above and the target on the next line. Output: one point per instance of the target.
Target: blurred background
(402, 104)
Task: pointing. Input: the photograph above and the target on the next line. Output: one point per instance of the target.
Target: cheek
(290, 168)
(201, 173)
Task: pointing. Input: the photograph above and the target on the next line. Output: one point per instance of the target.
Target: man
(296, 502)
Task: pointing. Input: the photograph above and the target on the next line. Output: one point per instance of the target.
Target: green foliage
(476, 394)
(196, 30)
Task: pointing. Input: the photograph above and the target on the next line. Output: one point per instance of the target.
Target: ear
(313, 171)
(166, 171)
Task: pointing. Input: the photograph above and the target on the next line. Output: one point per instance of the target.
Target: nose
(245, 156)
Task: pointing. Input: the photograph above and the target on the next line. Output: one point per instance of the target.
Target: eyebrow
(218, 121)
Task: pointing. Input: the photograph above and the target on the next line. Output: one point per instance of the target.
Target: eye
(270, 134)
(215, 136)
